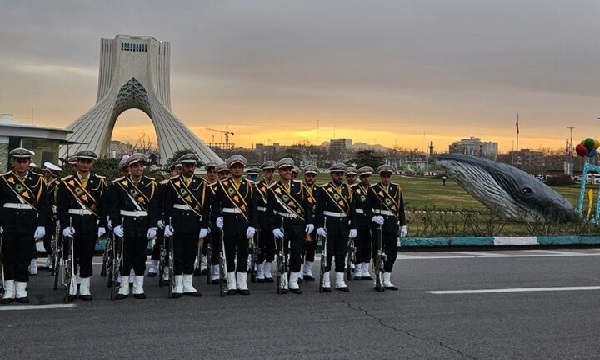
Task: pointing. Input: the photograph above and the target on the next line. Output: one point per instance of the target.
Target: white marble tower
(134, 73)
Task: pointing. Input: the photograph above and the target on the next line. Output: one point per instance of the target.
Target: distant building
(44, 141)
(475, 147)
(339, 148)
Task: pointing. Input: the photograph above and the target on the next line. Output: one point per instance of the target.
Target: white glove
(151, 233)
(309, 228)
(220, 222)
(203, 233)
(352, 233)
(118, 231)
(322, 232)
(377, 220)
(403, 231)
(54, 209)
(160, 224)
(169, 231)
(278, 233)
(101, 231)
(109, 224)
(250, 232)
(40, 232)
(68, 232)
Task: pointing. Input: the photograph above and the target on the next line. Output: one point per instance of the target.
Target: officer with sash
(362, 224)
(266, 241)
(310, 247)
(186, 203)
(236, 208)
(82, 217)
(211, 177)
(175, 170)
(385, 207)
(334, 212)
(50, 172)
(23, 215)
(290, 208)
(134, 222)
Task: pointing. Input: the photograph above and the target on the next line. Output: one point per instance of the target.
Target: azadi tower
(134, 73)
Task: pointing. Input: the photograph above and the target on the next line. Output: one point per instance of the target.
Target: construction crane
(226, 133)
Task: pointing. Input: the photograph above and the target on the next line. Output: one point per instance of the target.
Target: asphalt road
(540, 304)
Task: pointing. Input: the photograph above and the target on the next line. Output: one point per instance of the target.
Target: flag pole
(517, 131)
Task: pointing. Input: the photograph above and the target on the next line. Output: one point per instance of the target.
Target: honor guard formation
(236, 226)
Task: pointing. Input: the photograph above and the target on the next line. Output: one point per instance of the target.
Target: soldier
(351, 176)
(295, 172)
(362, 224)
(252, 174)
(290, 208)
(236, 208)
(310, 181)
(223, 172)
(82, 217)
(385, 207)
(266, 241)
(186, 202)
(211, 177)
(213, 185)
(159, 213)
(50, 172)
(334, 205)
(134, 222)
(23, 217)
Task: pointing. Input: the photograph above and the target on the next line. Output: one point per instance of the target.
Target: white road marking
(514, 290)
(36, 307)
(527, 253)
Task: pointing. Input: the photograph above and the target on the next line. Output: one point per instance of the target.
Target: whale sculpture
(506, 191)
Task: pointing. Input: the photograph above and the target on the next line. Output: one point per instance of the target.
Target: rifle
(350, 258)
(222, 266)
(169, 261)
(115, 268)
(322, 240)
(208, 240)
(70, 266)
(54, 247)
(254, 251)
(379, 259)
(198, 269)
(1, 269)
(281, 264)
(57, 257)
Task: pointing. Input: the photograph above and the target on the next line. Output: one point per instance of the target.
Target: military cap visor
(210, 165)
(385, 169)
(188, 159)
(351, 171)
(50, 167)
(285, 162)
(268, 165)
(311, 170)
(365, 170)
(21, 153)
(338, 168)
(135, 158)
(86, 154)
(236, 159)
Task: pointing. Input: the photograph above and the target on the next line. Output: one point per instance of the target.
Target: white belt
(359, 211)
(231, 211)
(181, 207)
(18, 206)
(287, 215)
(383, 212)
(334, 214)
(134, 213)
(261, 208)
(80, 212)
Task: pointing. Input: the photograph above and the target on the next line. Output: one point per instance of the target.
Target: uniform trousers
(293, 242)
(266, 244)
(16, 254)
(337, 242)
(185, 247)
(310, 247)
(363, 243)
(134, 255)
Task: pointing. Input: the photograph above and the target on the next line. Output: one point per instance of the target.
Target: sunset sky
(398, 73)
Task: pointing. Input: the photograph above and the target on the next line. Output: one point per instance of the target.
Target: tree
(367, 158)
(107, 167)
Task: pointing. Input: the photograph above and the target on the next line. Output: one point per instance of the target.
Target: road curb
(462, 241)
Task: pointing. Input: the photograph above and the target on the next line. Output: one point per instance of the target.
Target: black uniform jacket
(297, 201)
(130, 197)
(359, 196)
(71, 195)
(177, 195)
(388, 204)
(335, 199)
(32, 190)
(243, 198)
